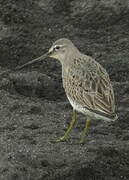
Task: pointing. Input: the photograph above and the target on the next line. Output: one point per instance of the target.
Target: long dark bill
(33, 61)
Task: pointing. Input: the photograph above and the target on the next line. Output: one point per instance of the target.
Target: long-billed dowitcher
(86, 83)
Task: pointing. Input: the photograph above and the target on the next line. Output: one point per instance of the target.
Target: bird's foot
(62, 139)
(82, 141)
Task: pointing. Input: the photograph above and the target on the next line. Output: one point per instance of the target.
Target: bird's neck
(70, 57)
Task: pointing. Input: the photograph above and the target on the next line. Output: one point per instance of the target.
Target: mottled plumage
(86, 83)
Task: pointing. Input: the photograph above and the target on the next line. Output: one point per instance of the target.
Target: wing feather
(91, 87)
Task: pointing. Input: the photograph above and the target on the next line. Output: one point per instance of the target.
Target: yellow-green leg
(85, 131)
(72, 123)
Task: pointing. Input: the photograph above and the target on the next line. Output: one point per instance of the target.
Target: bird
(86, 83)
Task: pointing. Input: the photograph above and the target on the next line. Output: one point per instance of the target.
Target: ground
(33, 107)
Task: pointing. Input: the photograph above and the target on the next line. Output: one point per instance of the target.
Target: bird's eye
(57, 47)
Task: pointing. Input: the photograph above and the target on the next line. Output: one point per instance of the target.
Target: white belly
(80, 108)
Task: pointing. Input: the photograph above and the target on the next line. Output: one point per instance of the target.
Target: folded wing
(91, 88)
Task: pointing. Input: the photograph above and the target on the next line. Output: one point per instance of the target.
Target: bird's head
(61, 49)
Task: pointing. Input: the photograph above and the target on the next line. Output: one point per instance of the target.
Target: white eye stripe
(57, 47)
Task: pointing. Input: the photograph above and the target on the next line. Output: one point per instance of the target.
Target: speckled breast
(72, 82)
